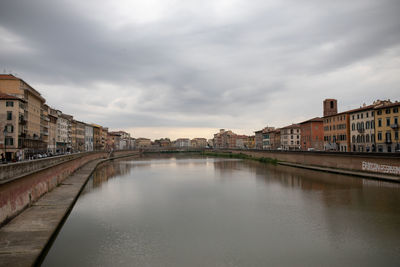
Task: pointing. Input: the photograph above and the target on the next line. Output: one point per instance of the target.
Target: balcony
(394, 126)
(22, 121)
(361, 130)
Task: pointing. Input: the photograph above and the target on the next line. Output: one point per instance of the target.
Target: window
(395, 110)
(10, 128)
(358, 126)
(396, 135)
(396, 120)
(387, 121)
(366, 115)
(367, 124)
(372, 113)
(379, 112)
(362, 125)
(9, 141)
(353, 139)
(379, 122)
(372, 124)
(9, 115)
(331, 104)
(372, 138)
(380, 136)
(367, 138)
(353, 126)
(388, 136)
(387, 111)
(358, 116)
(9, 103)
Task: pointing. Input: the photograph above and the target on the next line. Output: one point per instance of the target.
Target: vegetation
(240, 156)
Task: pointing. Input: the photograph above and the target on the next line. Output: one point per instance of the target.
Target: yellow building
(387, 127)
(12, 126)
(32, 138)
(97, 136)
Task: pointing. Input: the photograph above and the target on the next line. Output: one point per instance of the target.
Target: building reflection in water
(343, 201)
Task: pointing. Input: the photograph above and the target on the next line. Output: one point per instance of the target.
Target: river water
(224, 212)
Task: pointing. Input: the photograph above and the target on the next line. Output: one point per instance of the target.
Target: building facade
(259, 137)
(362, 129)
(225, 139)
(198, 142)
(312, 134)
(336, 128)
(387, 127)
(53, 117)
(290, 137)
(31, 139)
(63, 141)
(88, 137)
(12, 127)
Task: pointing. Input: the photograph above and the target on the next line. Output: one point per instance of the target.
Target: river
(194, 211)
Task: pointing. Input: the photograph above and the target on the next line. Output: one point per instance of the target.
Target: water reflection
(179, 211)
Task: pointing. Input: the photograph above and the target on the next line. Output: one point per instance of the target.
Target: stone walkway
(24, 238)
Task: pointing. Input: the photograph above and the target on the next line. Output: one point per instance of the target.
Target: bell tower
(330, 107)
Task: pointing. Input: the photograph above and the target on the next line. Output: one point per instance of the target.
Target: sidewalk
(24, 238)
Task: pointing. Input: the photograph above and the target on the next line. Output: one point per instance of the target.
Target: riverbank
(363, 174)
(25, 239)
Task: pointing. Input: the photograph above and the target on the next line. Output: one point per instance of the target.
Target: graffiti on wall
(375, 167)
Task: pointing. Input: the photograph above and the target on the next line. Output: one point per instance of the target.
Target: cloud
(213, 64)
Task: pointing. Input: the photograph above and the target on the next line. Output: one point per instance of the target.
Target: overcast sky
(186, 68)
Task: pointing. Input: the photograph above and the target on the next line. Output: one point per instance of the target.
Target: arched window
(354, 138)
(367, 124)
(358, 126)
(367, 138)
(358, 139)
(362, 139)
(372, 138)
(353, 126)
(372, 124)
(362, 125)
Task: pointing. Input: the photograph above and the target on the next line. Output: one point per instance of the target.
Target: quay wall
(388, 164)
(21, 184)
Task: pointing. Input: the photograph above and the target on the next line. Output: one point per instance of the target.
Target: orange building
(312, 134)
(336, 127)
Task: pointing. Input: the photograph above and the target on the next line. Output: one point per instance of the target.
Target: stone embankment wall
(362, 162)
(21, 184)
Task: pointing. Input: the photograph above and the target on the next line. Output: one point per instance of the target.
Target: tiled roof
(8, 77)
(395, 104)
(316, 119)
(291, 126)
(9, 97)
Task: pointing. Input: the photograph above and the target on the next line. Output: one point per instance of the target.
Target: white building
(88, 137)
(362, 129)
(290, 137)
(62, 136)
(182, 142)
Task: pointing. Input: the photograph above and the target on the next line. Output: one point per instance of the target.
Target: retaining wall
(23, 183)
(362, 162)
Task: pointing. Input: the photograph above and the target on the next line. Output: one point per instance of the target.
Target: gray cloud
(205, 64)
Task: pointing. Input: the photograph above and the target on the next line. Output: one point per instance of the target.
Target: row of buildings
(369, 128)
(28, 126)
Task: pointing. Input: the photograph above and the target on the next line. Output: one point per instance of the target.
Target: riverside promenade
(24, 239)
